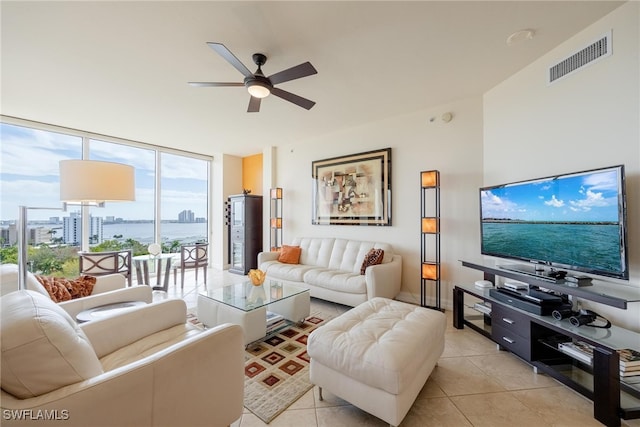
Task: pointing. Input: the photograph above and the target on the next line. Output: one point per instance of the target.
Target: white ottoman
(378, 355)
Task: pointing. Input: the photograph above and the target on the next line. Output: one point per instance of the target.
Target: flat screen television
(574, 221)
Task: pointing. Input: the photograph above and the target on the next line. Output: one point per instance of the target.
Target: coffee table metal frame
(246, 305)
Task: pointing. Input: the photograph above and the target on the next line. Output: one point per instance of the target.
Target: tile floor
(474, 384)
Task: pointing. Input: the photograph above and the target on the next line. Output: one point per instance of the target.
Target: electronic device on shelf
(522, 221)
(483, 284)
(515, 285)
(578, 281)
(533, 300)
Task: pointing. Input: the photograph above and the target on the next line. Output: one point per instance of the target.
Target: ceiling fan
(258, 85)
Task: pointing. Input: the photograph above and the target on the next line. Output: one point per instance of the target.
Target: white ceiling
(121, 68)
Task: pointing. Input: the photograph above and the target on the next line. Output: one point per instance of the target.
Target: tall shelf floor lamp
(84, 183)
(430, 236)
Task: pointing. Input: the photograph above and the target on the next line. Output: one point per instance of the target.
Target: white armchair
(107, 290)
(144, 367)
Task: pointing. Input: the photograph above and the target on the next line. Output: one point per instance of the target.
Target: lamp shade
(276, 222)
(429, 271)
(276, 193)
(430, 225)
(429, 179)
(91, 181)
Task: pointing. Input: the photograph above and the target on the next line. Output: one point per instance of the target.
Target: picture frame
(353, 189)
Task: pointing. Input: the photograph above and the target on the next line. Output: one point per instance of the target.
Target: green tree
(107, 245)
(172, 247)
(136, 247)
(9, 255)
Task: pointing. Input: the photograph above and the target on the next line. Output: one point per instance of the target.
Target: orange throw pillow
(290, 254)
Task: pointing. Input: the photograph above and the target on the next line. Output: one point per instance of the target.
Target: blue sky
(29, 162)
(583, 197)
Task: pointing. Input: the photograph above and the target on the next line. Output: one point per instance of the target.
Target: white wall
(226, 179)
(455, 149)
(588, 120)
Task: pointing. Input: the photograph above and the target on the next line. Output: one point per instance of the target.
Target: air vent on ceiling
(595, 51)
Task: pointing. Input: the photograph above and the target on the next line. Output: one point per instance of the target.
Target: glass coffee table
(260, 310)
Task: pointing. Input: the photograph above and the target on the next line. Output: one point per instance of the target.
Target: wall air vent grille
(595, 51)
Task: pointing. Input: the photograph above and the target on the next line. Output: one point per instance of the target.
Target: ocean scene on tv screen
(573, 220)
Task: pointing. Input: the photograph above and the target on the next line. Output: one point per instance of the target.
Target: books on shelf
(579, 350)
(629, 364)
(274, 321)
(629, 358)
(273, 317)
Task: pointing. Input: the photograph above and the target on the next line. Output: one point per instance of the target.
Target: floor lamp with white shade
(85, 183)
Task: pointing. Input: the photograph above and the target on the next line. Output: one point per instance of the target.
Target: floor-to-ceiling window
(128, 225)
(183, 200)
(171, 205)
(29, 176)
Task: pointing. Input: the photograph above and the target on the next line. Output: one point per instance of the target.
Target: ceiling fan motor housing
(257, 80)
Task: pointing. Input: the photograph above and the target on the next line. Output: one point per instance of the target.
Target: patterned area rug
(277, 368)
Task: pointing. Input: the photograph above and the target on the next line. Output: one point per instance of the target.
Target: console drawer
(511, 320)
(511, 341)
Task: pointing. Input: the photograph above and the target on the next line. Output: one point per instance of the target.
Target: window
(183, 200)
(127, 225)
(29, 176)
(170, 185)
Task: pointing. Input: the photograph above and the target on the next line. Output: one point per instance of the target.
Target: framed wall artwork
(353, 190)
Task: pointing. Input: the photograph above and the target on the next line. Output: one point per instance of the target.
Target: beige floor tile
(307, 401)
(289, 418)
(497, 410)
(328, 399)
(458, 376)
(296, 418)
(439, 411)
(346, 416)
(430, 389)
(467, 342)
(511, 372)
(559, 406)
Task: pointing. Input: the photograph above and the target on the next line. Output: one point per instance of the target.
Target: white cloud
(554, 202)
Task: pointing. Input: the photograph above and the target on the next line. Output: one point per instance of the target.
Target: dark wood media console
(535, 339)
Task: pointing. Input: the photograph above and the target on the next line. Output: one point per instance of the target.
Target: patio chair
(192, 256)
(103, 263)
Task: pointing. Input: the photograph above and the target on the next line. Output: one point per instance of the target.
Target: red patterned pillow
(61, 289)
(373, 257)
(81, 287)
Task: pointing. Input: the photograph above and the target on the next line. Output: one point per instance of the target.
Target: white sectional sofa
(330, 268)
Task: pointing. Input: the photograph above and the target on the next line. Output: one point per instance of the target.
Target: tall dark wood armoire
(245, 232)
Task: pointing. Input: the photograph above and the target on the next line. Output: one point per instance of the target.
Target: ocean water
(585, 245)
(169, 231)
(143, 232)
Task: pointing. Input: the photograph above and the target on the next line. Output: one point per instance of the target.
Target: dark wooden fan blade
(299, 71)
(254, 105)
(288, 96)
(214, 84)
(230, 57)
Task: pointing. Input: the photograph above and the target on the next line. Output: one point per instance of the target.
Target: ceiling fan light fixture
(258, 89)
